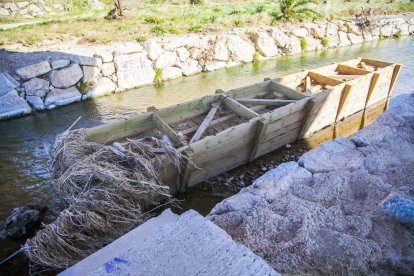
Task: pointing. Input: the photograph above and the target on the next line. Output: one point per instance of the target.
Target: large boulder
(153, 49)
(7, 83)
(34, 70)
(133, 70)
(66, 77)
(90, 74)
(343, 207)
(60, 63)
(36, 102)
(294, 45)
(104, 86)
(166, 59)
(108, 69)
(240, 50)
(36, 87)
(12, 105)
(59, 97)
(190, 67)
(343, 39)
(183, 54)
(355, 39)
(300, 32)
(265, 44)
(171, 73)
(281, 39)
(220, 51)
(22, 221)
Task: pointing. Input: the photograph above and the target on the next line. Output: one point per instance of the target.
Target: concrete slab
(188, 245)
(12, 105)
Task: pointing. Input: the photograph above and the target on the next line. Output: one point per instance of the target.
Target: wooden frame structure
(222, 131)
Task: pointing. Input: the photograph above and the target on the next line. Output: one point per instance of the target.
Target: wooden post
(343, 100)
(187, 166)
(238, 108)
(259, 136)
(396, 73)
(265, 102)
(162, 126)
(308, 109)
(364, 66)
(204, 125)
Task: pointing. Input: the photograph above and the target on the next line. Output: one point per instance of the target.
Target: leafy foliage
(297, 9)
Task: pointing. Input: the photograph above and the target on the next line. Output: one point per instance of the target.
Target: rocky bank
(346, 206)
(36, 81)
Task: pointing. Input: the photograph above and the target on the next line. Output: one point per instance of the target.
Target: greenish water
(24, 141)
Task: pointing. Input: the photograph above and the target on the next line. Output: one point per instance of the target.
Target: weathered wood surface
(238, 108)
(265, 102)
(162, 126)
(205, 124)
(373, 111)
(381, 86)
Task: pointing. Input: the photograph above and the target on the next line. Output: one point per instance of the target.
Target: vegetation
(83, 87)
(148, 20)
(302, 44)
(256, 57)
(158, 76)
(325, 41)
(397, 34)
(298, 9)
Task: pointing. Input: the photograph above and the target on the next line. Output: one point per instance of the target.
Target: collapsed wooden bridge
(225, 130)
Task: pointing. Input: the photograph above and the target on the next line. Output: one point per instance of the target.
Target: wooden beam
(342, 77)
(259, 137)
(343, 100)
(267, 102)
(238, 108)
(308, 86)
(162, 126)
(219, 120)
(206, 122)
(364, 66)
(372, 85)
(308, 110)
(395, 74)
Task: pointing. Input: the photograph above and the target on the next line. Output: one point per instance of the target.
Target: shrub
(153, 20)
(303, 44)
(397, 34)
(325, 41)
(217, 9)
(239, 22)
(141, 39)
(196, 2)
(158, 30)
(195, 28)
(83, 87)
(256, 58)
(158, 76)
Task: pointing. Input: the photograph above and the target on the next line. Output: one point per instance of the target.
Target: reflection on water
(23, 142)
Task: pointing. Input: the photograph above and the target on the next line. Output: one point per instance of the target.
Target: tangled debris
(109, 189)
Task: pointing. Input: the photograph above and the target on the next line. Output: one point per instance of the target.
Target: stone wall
(57, 82)
(29, 9)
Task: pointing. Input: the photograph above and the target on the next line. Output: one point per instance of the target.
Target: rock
(90, 74)
(34, 70)
(108, 69)
(265, 44)
(153, 49)
(21, 5)
(4, 12)
(352, 28)
(311, 44)
(318, 31)
(106, 56)
(36, 87)
(60, 63)
(240, 50)
(174, 43)
(214, 65)
(367, 36)
(343, 39)
(171, 73)
(103, 87)
(128, 48)
(355, 39)
(332, 41)
(183, 54)
(343, 200)
(300, 32)
(22, 221)
(7, 83)
(281, 39)
(36, 102)
(166, 59)
(331, 29)
(190, 67)
(12, 105)
(386, 31)
(34, 9)
(294, 45)
(133, 70)
(220, 52)
(404, 28)
(60, 97)
(66, 77)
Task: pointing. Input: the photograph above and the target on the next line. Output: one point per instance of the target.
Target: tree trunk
(118, 11)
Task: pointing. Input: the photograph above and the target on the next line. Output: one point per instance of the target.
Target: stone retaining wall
(57, 82)
(29, 9)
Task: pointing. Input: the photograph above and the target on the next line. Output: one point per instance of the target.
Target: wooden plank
(396, 73)
(343, 77)
(260, 135)
(238, 108)
(162, 126)
(220, 120)
(343, 100)
(372, 86)
(308, 109)
(364, 66)
(204, 125)
(287, 91)
(265, 102)
(308, 87)
(346, 69)
(324, 79)
(246, 91)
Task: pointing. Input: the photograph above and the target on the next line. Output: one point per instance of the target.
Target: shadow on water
(24, 141)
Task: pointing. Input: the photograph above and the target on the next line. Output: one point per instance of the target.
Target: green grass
(150, 20)
(158, 76)
(325, 41)
(141, 39)
(397, 34)
(256, 57)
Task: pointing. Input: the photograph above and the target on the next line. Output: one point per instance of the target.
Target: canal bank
(59, 120)
(37, 81)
